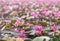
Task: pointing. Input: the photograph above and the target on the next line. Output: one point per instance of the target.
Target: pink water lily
(16, 24)
(20, 19)
(38, 32)
(38, 28)
(7, 7)
(54, 28)
(35, 15)
(27, 24)
(57, 14)
(20, 8)
(22, 35)
(22, 31)
(6, 12)
(13, 1)
(0, 22)
(45, 13)
(16, 30)
(9, 21)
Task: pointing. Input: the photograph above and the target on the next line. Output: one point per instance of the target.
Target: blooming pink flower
(15, 7)
(13, 1)
(6, 12)
(27, 24)
(38, 32)
(9, 21)
(20, 19)
(22, 35)
(22, 31)
(38, 28)
(6, 7)
(16, 30)
(35, 15)
(57, 14)
(16, 24)
(20, 8)
(0, 22)
(45, 13)
(54, 28)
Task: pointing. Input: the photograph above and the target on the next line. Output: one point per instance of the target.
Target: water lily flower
(20, 8)
(16, 24)
(20, 19)
(22, 31)
(15, 7)
(22, 35)
(13, 1)
(38, 32)
(54, 28)
(35, 15)
(6, 6)
(38, 28)
(9, 21)
(0, 22)
(16, 30)
(57, 14)
(45, 13)
(27, 24)
(6, 12)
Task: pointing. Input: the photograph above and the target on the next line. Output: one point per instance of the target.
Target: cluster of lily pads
(29, 19)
